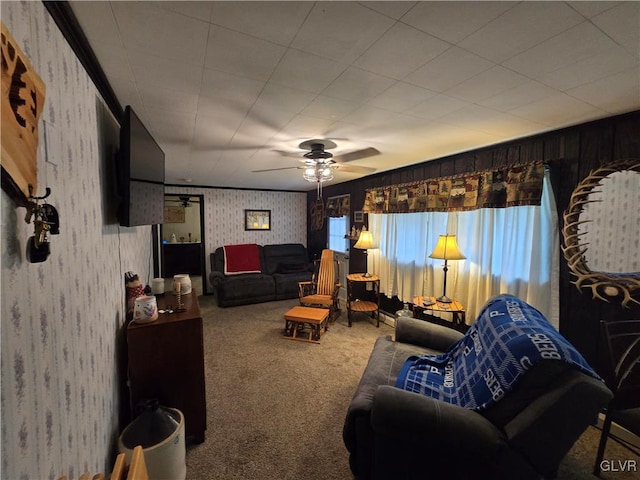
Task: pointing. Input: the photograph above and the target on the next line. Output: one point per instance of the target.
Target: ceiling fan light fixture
(318, 173)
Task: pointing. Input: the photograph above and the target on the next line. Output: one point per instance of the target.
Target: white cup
(157, 286)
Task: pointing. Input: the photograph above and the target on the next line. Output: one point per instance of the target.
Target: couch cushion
(290, 254)
(248, 285)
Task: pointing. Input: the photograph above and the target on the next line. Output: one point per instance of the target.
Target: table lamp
(365, 242)
(446, 249)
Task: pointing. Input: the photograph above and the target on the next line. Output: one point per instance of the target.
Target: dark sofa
(392, 433)
(282, 267)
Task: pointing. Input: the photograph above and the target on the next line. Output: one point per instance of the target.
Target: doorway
(182, 240)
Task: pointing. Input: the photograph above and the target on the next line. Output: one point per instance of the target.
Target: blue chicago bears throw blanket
(508, 337)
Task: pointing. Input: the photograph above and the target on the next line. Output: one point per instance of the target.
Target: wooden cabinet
(181, 258)
(166, 361)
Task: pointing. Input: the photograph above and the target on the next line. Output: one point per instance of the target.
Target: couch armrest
(425, 334)
(216, 278)
(431, 422)
(557, 418)
(414, 434)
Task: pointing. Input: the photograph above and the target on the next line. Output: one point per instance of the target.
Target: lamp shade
(447, 249)
(365, 240)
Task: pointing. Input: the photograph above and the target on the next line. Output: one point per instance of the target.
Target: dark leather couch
(282, 267)
(391, 433)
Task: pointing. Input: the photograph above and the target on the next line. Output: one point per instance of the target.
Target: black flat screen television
(141, 174)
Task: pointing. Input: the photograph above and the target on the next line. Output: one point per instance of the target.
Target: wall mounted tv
(140, 165)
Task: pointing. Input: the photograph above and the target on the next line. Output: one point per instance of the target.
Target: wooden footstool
(298, 316)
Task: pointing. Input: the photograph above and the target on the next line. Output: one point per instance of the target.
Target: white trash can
(160, 432)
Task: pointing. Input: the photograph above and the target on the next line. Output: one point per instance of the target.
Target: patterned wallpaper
(613, 234)
(224, 216)
(60, 318)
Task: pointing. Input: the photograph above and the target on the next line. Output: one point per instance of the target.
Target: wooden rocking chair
(322, 290)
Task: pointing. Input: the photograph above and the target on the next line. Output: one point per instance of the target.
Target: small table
(431, 303)
(298, 316)
(355, 304)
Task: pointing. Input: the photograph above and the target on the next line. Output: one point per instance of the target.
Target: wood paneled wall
(571, 153)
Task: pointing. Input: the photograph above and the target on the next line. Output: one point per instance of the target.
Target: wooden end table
(299, 316)
(455, 308)
(364, 306)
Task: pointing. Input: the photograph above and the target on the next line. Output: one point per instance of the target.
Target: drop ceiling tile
(400, 51)
(592, 8)
(528, 92)
(165, 33)
(358, 85)
(304, 126)
(500, 124)
(453, 21)
(305, 71)
(393, 9)
(558, 111)
(368, 115)
(591, 69)
(401, 96)
(329, 108)
(273, 21)
(449, 69)
(241, 54)
(198, 10)
(97, 22)
(212, 133)
(622, 23)
(160, 98)
(340, 31)
(289, 99)
(163, 71)
(170, 126)
(222, 110)
(237, 90)
(437, 107)
(574, 45)
(616, 93)
(521, 28)
(486, 84)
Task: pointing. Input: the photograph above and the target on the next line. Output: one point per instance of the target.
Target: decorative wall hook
(45, 221)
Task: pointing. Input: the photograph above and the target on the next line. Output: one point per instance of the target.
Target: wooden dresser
(166, 361)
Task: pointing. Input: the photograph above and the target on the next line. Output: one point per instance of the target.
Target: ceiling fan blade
(357, 155)
(272, 169)
(289, 154)
(355, 169)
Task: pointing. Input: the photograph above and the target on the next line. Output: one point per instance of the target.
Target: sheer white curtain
(509, 250)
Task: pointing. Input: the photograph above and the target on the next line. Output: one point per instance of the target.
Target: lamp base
(366, 275)
(444, 299)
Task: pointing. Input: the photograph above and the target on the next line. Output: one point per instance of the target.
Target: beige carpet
(275, 407)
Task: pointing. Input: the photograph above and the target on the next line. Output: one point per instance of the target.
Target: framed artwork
(23, 94)
(257, 219)
(358, 217)
(173, 214)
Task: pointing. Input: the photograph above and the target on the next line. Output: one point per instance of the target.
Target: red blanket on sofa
(243, 258)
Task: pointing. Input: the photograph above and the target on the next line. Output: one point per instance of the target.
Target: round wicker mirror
(603, 285)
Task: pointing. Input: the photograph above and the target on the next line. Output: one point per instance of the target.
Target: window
(337, 228)
(509, 250)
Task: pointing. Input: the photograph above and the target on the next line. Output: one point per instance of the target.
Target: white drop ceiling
(231, 87)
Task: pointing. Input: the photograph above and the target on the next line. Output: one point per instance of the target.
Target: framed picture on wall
(257, 219)
(358, 217)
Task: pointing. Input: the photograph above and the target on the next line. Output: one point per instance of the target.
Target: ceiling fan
(183, 200)
(317, 157)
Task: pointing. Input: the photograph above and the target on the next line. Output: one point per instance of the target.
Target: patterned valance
(338, 206)
(502, 187)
